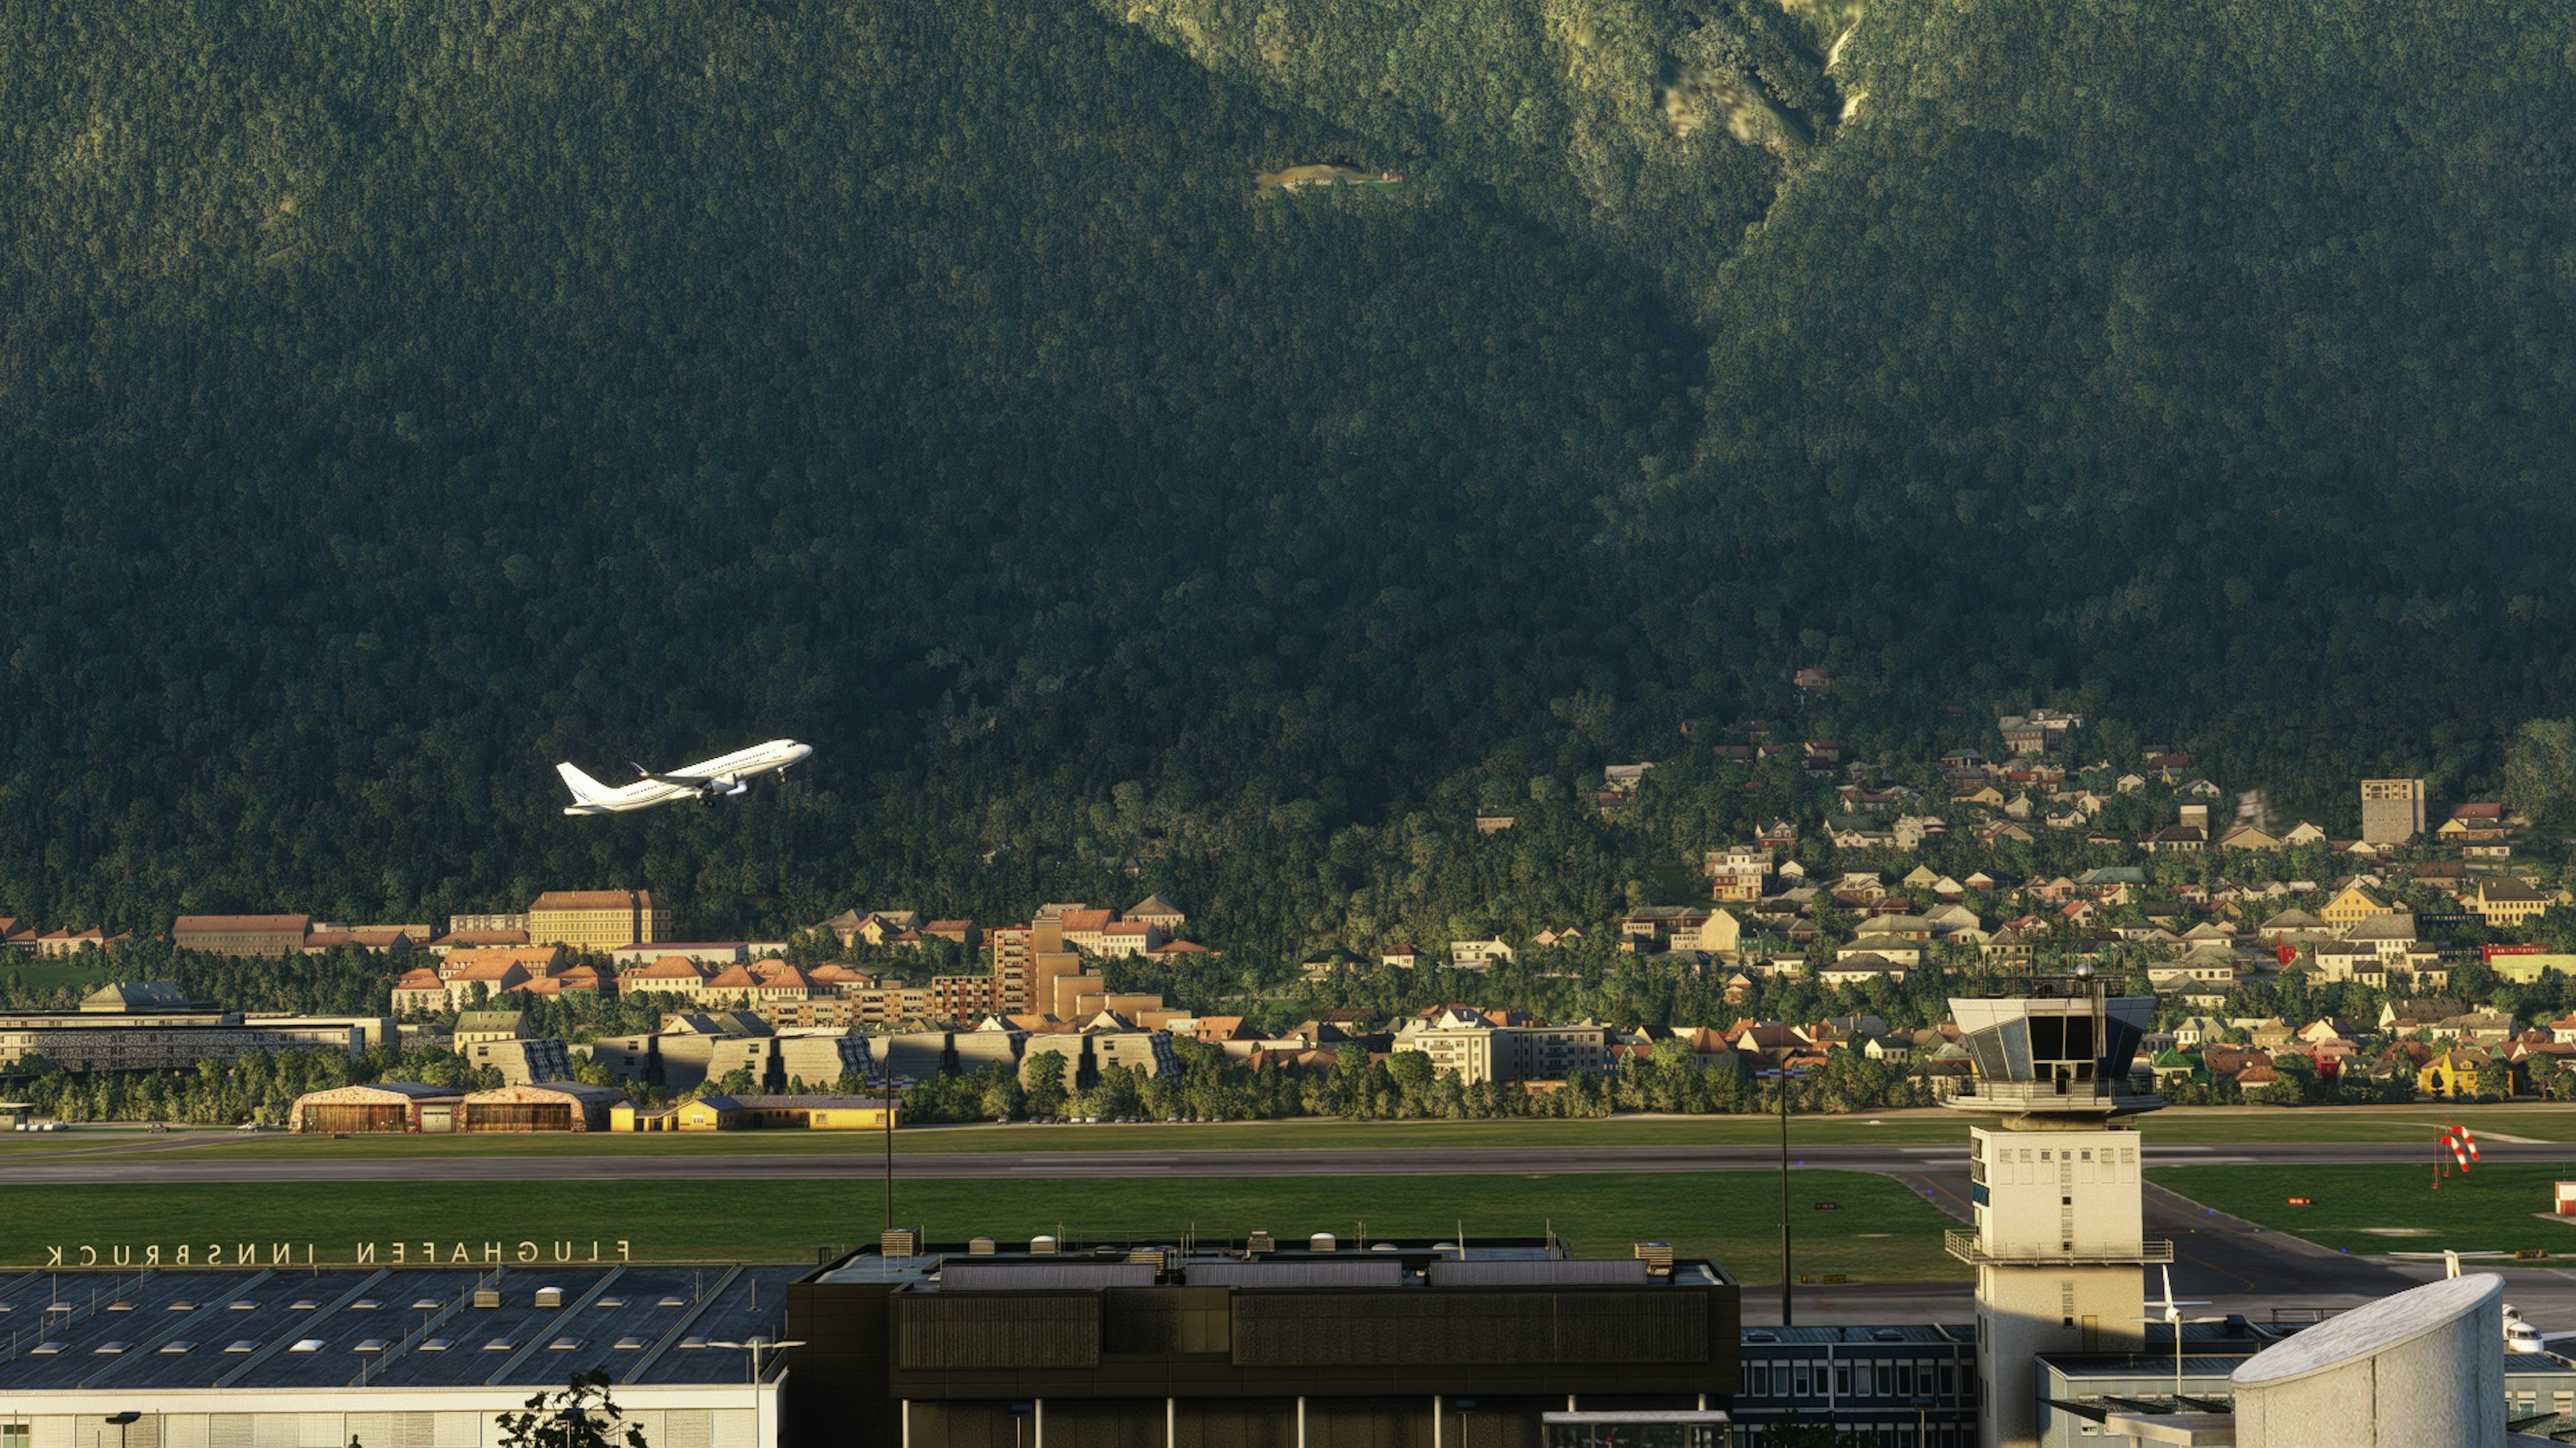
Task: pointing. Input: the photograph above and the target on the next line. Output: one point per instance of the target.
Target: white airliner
(706, 781)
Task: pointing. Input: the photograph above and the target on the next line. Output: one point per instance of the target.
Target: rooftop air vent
(110, 1349)
(178, 1347)
(1260, 1242)
(306, 1344)
(365, 1304)
(610, 1302)
(499, 1344)
(435, 1344)
(183, 1306)
(899, 1242)
(563, 1344)
(980, 1247)
(241, 1344)
(1321, 1242)
(487, 1296)
(373, 1344)
(44, 1348)
(302, 1304)
(1658, 1257)
(120, 1305)
(549, 1297)
(426, 1304)
(630, 1344)
(1042, 1246)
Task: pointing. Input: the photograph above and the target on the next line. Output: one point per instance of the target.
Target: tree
(578, 1415)
(1044, 1094)
(2539, 778)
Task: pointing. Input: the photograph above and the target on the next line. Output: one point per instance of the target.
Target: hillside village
(2413, 957)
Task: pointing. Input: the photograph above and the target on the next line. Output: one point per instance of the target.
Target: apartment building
(2392, 810)
(248, 936)
(598, 920)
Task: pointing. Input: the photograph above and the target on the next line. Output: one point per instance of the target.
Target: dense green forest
(397, 399)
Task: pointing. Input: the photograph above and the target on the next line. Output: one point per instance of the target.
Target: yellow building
(2527, 969)
(2505, 900)
(598, 920)
(2353, 904)
(748, 1113)
(2454, 1073)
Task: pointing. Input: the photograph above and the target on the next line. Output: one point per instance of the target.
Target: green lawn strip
(1881, 1232)
(2395, 1125)
(1264, 1136)
(2379, 1209)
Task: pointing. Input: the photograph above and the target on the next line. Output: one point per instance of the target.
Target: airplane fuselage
(707, 780)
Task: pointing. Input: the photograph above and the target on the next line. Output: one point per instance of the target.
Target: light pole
(123, 1421)
(757, 1345)
(1781, 1077)
(887, 1100)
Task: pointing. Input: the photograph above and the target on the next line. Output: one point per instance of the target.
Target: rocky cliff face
(1662, 130)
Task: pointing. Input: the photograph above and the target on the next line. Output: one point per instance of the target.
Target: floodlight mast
(1783, 1076)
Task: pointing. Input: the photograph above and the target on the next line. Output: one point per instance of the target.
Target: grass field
(2395, 1125)
(1881, 1231)
(2388, 1208)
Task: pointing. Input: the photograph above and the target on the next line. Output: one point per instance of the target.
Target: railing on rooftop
(2110, 1094)
(1965, 1246)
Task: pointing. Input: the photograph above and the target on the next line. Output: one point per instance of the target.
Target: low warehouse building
(377, 1107)
(540, 1106)
(741, 1113)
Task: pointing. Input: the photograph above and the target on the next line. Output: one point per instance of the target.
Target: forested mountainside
(397, 399)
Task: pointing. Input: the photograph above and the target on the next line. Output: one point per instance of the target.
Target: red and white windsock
(2462, 1143)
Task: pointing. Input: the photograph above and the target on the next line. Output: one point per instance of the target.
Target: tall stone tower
(2058, 1241)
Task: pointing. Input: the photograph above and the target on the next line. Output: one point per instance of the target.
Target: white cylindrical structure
(2423, 1367)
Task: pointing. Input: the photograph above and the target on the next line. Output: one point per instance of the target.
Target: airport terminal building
(1313, 1343)
(380, 1357)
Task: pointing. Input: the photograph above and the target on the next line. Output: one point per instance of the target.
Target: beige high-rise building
(2392, 810)
(598, 920)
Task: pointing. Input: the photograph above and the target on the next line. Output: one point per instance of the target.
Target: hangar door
(347, 1116)
(515, 1116)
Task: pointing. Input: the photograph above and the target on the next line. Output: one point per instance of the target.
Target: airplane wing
(678, 781)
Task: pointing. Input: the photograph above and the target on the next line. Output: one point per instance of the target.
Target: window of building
(16, 1435)
(1799, 1377)
(1842, 1380)
(1905, 1380)
(1885, 1375)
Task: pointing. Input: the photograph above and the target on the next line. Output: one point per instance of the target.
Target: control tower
(2058, 1241)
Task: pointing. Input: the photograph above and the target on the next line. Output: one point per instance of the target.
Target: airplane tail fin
(585, 790)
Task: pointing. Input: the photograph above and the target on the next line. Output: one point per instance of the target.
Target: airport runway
(1941, 1171)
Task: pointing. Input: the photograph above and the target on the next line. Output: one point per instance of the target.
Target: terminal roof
(420, 1327)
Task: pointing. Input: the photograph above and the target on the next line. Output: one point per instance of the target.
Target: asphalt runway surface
(1939, 1171)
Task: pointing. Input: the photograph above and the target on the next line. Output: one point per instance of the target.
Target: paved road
(1940, 1171)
